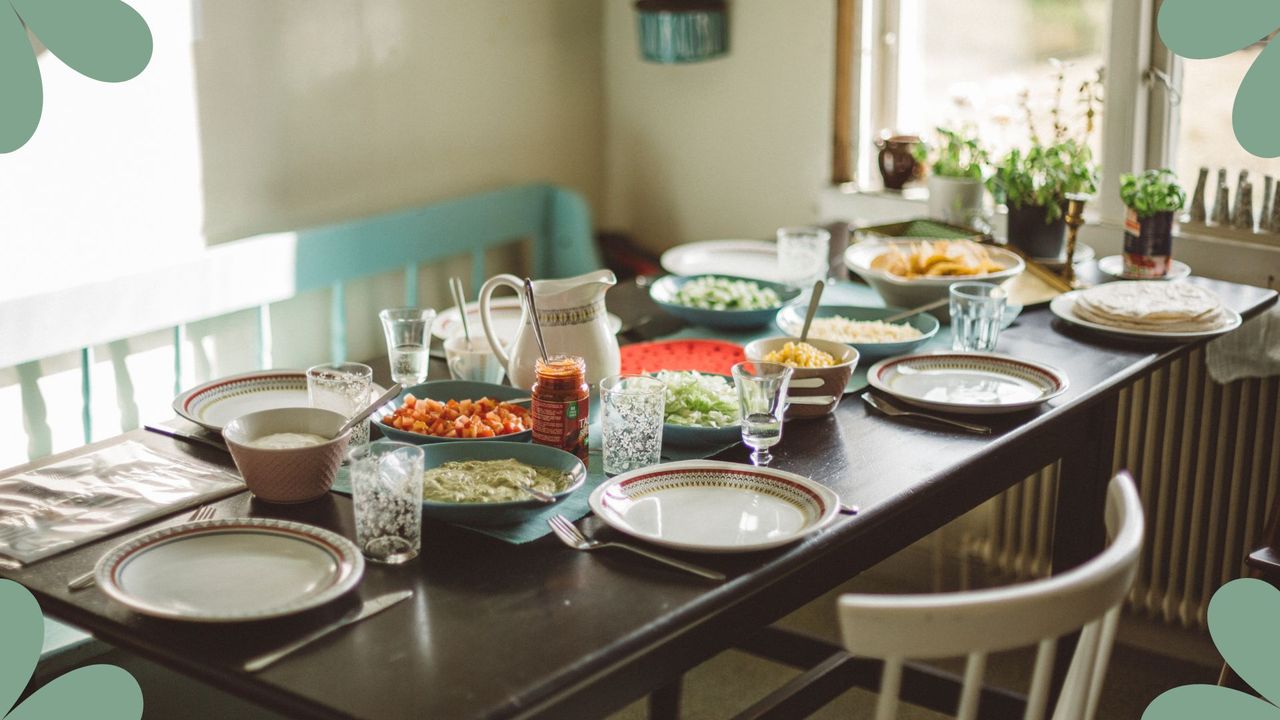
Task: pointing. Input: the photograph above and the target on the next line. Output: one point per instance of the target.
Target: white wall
(733, 147)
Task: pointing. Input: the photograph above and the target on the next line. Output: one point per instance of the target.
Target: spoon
(533, 315)
(813, 309)
(459, 299)
(917, 310)
(541, 496)
(370, 409)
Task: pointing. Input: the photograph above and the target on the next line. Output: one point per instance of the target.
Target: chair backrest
(895, 628)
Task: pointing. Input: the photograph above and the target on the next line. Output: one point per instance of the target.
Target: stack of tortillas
(1151, 306)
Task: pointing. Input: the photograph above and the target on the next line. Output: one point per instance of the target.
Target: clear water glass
(343, 388)
(408, 333)
(634, 408)
(977, 313)
(803, 254)
(386, 489)
(762, 398)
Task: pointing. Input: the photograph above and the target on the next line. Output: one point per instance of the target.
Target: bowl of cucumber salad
(721, 301)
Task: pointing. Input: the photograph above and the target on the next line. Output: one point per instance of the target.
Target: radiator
(1207, 461)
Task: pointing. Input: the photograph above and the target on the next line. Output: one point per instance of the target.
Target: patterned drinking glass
(408, 333)
(634, 407)
(762, 398)
(386, 489)
(343, 388)
(803, 255)
(977, 313)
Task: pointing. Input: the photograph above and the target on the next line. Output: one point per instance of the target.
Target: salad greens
(698, 400)
(718, 293)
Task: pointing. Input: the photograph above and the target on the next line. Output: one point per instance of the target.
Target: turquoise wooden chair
(556, 220)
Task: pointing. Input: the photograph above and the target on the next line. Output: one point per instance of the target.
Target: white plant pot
(956, 201)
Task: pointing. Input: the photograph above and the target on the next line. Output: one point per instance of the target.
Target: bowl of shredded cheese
(863, 328)
(822, 369)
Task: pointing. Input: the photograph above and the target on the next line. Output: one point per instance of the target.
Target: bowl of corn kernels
(822, 369)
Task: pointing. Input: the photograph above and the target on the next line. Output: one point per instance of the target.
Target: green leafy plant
(106, 692)
(1050, 169)
(1152, 192)
(957, 154)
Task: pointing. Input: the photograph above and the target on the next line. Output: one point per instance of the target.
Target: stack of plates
(1148, 309)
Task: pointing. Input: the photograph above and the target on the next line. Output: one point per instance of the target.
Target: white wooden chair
(894, 628)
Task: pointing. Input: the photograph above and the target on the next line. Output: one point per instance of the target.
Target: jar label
(562, 425)
(1148, 245)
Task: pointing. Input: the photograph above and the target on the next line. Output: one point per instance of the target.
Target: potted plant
(1034, 183)
(956, 164)
(1151, 200)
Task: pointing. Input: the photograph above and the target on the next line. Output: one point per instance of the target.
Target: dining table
(539, 630)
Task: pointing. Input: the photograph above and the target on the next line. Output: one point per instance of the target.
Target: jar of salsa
(561, 399)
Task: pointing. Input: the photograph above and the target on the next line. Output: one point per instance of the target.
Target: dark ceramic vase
(897, 160)
(1032, 235)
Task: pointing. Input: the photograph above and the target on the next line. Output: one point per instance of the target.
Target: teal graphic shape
(95, 691)
(105, 40)
(1242, 622)
(1199, 29)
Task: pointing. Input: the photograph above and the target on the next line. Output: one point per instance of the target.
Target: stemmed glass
(762, 397)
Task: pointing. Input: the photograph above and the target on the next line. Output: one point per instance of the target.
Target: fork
(570, 535)
(81, 582)
(892, 410)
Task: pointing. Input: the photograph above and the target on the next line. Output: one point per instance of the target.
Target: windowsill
(1250, 258)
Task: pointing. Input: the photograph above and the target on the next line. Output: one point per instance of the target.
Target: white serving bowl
(914, 292)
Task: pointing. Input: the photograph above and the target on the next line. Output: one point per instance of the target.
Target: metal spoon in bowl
(917, 310)
(386, 397)
(460, 299)
(814, 299)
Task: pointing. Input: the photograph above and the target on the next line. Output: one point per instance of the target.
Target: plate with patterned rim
(505, 313)
(969, 383)
(218, 402)
(230, 570)
(715, 507)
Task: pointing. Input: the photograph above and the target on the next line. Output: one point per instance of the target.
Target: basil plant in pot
(1034, 184)
(1151, 200)
(956, 164)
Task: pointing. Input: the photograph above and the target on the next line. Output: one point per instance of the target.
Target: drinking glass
(342, 388)
(408, 332)
(634, 408)
(386, 489)
(977, 312)
(803, 254)
(472, 360)
(762, 397)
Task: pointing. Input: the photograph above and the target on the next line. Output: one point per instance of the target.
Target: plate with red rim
(707, 356)
(217, 402)
(230, 570)
(714, 507)
(968, 383)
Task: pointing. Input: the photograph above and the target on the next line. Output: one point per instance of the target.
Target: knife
(367, 609)
(187, 437)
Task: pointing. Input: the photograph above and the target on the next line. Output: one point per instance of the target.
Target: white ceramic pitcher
(573, 319)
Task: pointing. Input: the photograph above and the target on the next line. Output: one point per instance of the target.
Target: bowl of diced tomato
(458, 411)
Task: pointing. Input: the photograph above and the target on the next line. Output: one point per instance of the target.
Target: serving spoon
(386, 397)
(814, 299)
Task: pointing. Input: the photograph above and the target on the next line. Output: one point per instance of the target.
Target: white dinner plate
(712, 506)
(505, 314)
(751, 259)
(230, 570)
(1113, 265)
(218, 402)
(1063, 305)
(969, 383)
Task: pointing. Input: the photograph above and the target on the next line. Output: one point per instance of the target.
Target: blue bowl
(444, 390)
(790, 320)
(499, 513)
(692, 436)
(664, 290)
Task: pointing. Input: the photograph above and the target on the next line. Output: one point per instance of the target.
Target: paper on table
(66, 504)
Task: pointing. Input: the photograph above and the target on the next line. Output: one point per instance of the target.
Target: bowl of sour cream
(287, 455)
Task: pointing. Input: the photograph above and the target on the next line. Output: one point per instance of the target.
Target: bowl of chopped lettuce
(721, 301)
(701, 409)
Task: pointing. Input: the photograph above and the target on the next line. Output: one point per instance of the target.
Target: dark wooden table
(496, 630)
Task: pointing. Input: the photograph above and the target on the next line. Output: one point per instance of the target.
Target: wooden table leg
(664, 703)
(1079, 527)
